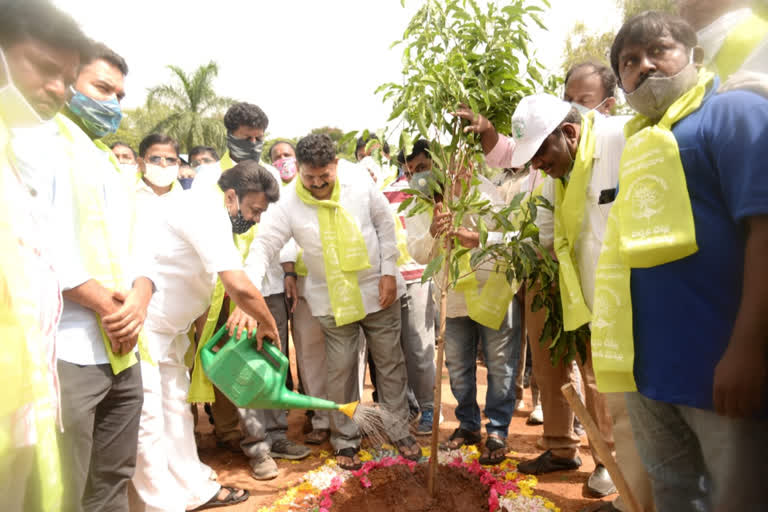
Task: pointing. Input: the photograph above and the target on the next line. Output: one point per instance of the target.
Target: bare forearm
(245, 295)
(92, 295)
(488, 139)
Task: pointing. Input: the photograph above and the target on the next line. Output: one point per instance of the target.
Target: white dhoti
(169, 476)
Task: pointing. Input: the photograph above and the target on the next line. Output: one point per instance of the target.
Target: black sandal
(230, 499)
(407, 443)
(467, 438)
(494, 443)
(349, 453)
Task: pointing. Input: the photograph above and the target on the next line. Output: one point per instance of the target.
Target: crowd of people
(119, 265)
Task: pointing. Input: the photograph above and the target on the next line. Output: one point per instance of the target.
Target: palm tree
(195, 110)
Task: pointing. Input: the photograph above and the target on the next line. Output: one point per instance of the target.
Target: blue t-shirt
(684, 311)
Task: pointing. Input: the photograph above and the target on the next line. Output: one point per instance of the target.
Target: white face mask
(586, 110)
(14, 107)
(129, 168)
(206, 168)
(161, 176)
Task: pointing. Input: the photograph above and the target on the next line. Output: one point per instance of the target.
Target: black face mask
(239, 224)
(244, 149)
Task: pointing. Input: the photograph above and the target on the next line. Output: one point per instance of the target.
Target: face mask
(206, 168)
(244, 149)
(585, 110)
(286, 167)
(239, 224)
(129, 168)
(186, 183)
(419, 181)
(657, 93)
(14, 107)
(99, 117)
(161, 176)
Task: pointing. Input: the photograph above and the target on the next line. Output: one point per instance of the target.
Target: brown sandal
(461, 437)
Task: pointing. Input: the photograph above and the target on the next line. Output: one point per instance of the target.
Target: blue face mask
(186, 183)
(99, 117)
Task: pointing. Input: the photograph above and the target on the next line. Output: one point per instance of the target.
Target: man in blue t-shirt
(701, 322)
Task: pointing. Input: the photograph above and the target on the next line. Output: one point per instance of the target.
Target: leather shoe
(600, 483)
(548, 463)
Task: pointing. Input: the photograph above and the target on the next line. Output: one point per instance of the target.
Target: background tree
(582, 45)
(195, 111)
(137, 123)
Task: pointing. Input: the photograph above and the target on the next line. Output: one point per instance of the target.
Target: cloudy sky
(307, 63)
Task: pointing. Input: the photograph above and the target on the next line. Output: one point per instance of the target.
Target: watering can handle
(275, 354)
(215, 339)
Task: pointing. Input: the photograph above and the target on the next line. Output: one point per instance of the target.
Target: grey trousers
(261, 427)
(699, 461)
(100, 412)
(342, 346)
(417, 338)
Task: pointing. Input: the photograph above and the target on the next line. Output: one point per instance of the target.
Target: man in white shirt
(158, 167)
(550, 135)
(106, 293)
(343, 223)
(194, 248)
(40, 51)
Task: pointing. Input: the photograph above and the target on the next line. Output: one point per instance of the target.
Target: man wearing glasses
(158, 169)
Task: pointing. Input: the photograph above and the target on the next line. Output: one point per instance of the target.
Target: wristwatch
(291, 274)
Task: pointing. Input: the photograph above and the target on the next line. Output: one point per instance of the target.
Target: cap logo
(518, 128)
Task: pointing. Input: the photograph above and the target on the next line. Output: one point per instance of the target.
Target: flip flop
(467, 438)
(230, 499)
(494, 443)
(407, 443)
(349, 453)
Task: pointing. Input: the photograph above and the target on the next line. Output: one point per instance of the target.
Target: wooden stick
(432, 475)
(597, 441)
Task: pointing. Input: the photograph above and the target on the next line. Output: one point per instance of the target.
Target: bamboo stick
(432, 477)
(597, 441)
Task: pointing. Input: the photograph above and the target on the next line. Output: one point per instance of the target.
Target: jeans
(698, 460)
(501, 351)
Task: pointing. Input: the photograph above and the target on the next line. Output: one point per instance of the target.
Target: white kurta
(291, 217)
(609, 144)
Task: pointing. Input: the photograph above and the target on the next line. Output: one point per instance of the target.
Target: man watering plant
(194, 247)
(681, 300)
(343, 222)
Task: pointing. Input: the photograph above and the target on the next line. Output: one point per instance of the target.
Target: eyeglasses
(157, 160)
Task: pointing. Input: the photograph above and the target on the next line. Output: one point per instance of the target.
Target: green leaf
(483, 231)
(433, 267)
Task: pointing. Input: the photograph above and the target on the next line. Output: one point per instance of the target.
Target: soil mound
(396, 489)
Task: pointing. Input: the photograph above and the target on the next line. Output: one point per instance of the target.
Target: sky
(306, 63)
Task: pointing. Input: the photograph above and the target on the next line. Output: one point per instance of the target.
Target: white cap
(534, 119)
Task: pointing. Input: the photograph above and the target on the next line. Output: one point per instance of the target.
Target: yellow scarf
(650, 224)
(740, 44)
(101, 256)
(570, 203)
(24, 372)
(488, 306)
(344, 254)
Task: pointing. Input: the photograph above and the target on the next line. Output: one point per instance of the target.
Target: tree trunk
(432, 480)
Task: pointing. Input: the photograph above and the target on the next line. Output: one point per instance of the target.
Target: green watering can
(256, 380)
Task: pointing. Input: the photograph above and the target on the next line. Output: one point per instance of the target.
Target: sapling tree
(457, 53)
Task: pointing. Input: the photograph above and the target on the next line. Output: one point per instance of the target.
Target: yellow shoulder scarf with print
(101, 256)
(570, 202)
(344, 254)
(650, 224)
(740, 44)
(24, 372)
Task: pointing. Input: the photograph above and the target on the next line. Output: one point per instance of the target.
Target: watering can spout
(291, 400)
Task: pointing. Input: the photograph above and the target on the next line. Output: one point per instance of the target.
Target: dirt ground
(567, 489)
